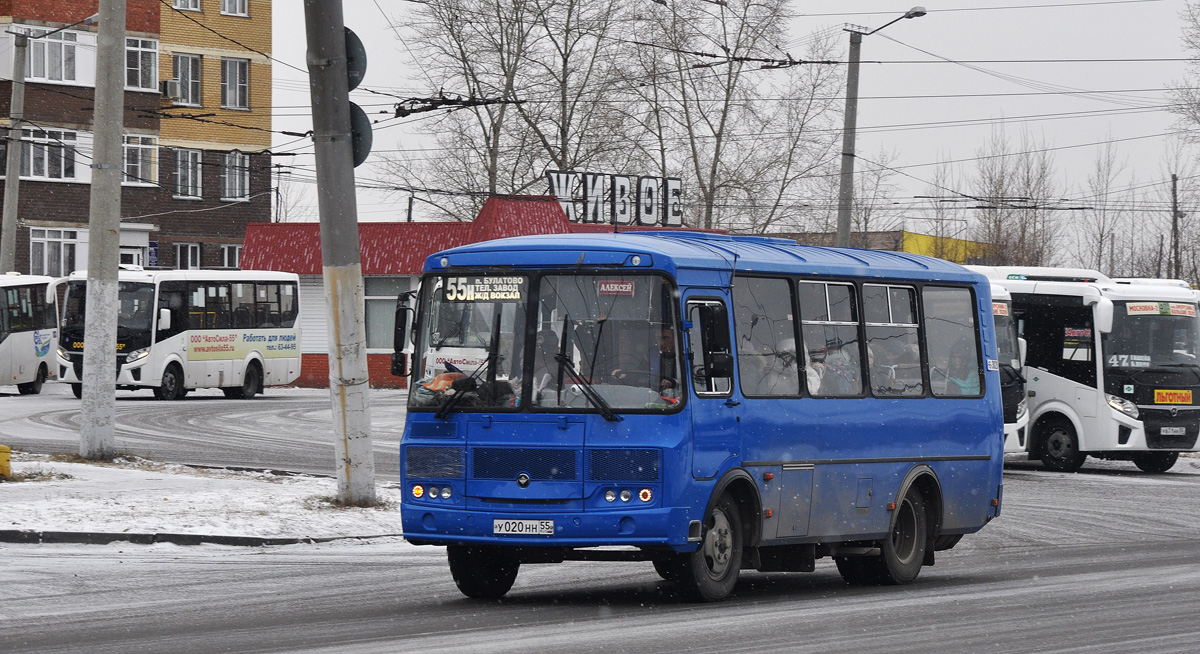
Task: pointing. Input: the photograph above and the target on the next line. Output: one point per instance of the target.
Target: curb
(103, 538)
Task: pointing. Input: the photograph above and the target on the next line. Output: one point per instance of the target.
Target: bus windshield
(1157, 336)
(602, 343)
(135, 310)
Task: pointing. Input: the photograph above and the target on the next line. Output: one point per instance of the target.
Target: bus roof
(1041, 274)
(1075, 282)
(155, 276)
(677, 251)
(17, 279)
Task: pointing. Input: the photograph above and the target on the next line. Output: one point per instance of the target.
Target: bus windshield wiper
(589, 391)
(468, 384)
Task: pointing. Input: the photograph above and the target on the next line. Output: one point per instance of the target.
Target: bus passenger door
(715, 413)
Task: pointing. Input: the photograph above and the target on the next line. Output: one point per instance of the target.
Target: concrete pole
(1173, 273)
(104, 225)
(340, 254)
(846, 187)
(12, 169)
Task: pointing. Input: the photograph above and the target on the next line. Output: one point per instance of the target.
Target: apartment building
(196, 130)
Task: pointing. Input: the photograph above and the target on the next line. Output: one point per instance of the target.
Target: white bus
(1011, 350)
(180, 330)
(1111, 369)
(28, 333)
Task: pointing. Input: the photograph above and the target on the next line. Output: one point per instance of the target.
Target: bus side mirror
(399, 358)
(1104, 315)
(164, 319)
(1022, 346)
(720, 364)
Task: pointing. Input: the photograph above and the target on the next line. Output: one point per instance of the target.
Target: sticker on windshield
(1162, 396)
(1160, 309)
(614, 287)
(484, 289)
(999, 308)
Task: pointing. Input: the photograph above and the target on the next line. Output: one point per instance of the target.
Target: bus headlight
(62, 354)
(1123, 405)
(1022, 409)
(137, 355)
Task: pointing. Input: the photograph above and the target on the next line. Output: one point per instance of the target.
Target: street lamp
(846, 187)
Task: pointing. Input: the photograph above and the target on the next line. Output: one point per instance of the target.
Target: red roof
(401, 248)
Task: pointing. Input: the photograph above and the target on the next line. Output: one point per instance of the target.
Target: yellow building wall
(950, 249)
(204, 33)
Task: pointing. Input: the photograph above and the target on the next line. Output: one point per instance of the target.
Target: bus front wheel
(1060, 446)
(34, 387)
(171, 384)
(710, 573)
(482, 572)
(77, 390)
(1155, 461)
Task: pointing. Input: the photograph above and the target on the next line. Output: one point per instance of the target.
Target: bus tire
(1155, 462)
(482, 572)
(710, 573)
(901, 554)
(34, 387)
(172, 381)
(1060, 446)
(77, 391)
(250, 382)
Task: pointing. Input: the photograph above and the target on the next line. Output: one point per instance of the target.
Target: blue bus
(708, 403)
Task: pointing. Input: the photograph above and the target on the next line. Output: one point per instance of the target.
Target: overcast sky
(912, 101)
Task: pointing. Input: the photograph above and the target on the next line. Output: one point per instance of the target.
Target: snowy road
(285, 429)
(1099, 561)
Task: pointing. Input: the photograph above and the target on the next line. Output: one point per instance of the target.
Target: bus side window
(173, 296)
(710, 349)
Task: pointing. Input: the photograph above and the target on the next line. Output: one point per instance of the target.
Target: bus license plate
(1173, 431)
(542, 527)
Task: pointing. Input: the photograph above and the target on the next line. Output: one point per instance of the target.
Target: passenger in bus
(963, 373)
(815, 370)
(545, 368)
(882, 373)
(841, 372)
(660, 362)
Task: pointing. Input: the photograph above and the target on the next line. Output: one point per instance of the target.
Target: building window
(231, 256)
(235, 81)
(141, 155)
(52, 57)
(47, 154)
(52, 251)
(235, 7)
(381, 294)
(191, 5)
(141, 64)
(187, 256)
(235, 176)
(187, 73)
(187, 173)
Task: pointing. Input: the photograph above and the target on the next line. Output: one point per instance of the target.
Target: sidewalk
(146, 502)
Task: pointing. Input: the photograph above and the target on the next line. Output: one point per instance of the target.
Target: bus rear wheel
(34, 387)
(171, 384)
(1155, 461)
(710, 573)
(249, 387)
(901, 554)
(482, 572)
(1060, 446)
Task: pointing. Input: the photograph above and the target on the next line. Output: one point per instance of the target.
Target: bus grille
(623, 465)
(1155, 419)
(507, 463)
(443, 462)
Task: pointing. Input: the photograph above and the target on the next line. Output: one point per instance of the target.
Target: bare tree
(1104, 213)
(1018, 198)
(293, 203)
(873, 208)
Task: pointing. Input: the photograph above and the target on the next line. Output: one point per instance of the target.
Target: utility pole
(340, 254)
(1175, 215)
(99, 401)
(12, 168)
(849, 132)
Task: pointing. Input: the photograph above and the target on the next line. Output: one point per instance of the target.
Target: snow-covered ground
(143, 497)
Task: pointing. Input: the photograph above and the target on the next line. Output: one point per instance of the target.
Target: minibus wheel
(1060, 446)
(34, 387)
(77, 390)
(482, 572)
(902, 553)
(1155, 461)
(710, 573)
(172, 381)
